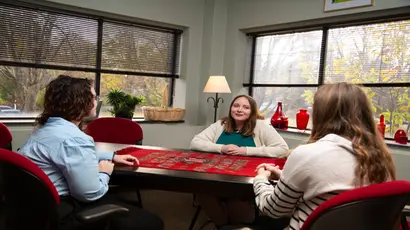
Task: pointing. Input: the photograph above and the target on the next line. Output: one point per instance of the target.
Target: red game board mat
(199, 162)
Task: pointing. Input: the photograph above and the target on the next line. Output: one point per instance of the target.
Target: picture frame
(335, 5)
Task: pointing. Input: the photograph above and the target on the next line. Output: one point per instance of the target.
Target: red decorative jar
(302, 119)
(276, 120)
(381, 126)
(400, 137)
(285, 123)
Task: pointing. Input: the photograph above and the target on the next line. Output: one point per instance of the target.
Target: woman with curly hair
(344, 151)
(69, 158)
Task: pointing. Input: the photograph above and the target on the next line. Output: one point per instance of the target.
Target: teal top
(235, 139)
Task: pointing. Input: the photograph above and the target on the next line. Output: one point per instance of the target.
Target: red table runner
(199, 162)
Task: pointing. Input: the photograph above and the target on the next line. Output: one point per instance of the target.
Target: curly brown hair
(229, 123)
(345, 110)
(67, 97)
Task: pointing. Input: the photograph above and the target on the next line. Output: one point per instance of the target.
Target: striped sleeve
(276, 201)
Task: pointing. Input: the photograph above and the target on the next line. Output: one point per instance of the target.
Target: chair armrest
(100, 212)
(406, 212)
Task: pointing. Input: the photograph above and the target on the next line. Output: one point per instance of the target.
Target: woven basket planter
(163, 114)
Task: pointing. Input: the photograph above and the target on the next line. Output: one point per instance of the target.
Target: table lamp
(216, 84)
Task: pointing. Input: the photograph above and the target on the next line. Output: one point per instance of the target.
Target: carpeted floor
(175, 209)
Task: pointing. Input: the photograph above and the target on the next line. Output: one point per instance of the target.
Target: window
(37, 45)
(289, 67)
(152, 88)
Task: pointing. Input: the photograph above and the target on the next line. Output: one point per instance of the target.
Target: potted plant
(123, 104)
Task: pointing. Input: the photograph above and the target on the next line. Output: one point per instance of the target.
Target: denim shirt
(69, 158)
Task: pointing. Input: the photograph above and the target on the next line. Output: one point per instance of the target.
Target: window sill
(30, 121)
(142, 121)
(306, 134)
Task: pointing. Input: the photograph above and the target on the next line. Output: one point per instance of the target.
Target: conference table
(177, 180)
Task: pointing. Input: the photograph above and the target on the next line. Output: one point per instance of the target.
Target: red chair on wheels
(31, 198)
(5, 137)
(374, 207)
(5, 143)
(119, 131)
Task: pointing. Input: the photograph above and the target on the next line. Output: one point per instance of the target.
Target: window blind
(374, 53)
(139, 49)
(40, 37)
(287, 58)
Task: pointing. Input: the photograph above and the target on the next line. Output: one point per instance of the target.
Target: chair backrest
(31, 198)
(374, 207)
(5, 137)
(115, 130)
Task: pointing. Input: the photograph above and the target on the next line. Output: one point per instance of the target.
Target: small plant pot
(123, 115)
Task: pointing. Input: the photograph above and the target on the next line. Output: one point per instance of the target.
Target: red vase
(302, 119)
(381, 126)
(400, 136)
(276, 120)
(285, 123)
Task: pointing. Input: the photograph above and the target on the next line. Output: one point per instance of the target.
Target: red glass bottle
(285, 123)
(276, 119)
(302, 119)
(381, 126)
(400, 137)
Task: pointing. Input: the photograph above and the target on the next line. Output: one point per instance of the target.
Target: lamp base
(216, 101)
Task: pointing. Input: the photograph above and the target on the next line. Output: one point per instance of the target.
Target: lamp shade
(217, 84)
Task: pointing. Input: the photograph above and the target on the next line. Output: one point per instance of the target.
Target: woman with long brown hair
(242, 132)
(344, 151)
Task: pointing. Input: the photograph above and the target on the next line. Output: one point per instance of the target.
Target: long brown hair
(247, 130)
(67, 97)
(345, 110)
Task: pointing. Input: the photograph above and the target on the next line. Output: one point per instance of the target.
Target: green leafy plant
(123, 104)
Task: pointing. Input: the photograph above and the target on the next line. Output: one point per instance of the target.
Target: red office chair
(115, 130)
(120, 131)
(5, 137)
(374, 207)
(31, 198)
(5, 143)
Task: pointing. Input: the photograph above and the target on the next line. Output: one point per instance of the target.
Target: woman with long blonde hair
(344, 151)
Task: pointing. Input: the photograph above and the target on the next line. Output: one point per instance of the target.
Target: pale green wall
(213, 43)
(257, 13)
(185, 14)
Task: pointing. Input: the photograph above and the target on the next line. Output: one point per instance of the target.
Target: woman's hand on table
(271, 171)
(126, 159)
(228, 148)
(233, 150)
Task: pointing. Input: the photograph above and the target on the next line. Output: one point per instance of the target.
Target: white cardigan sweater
(268, 142)
(313, 173)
